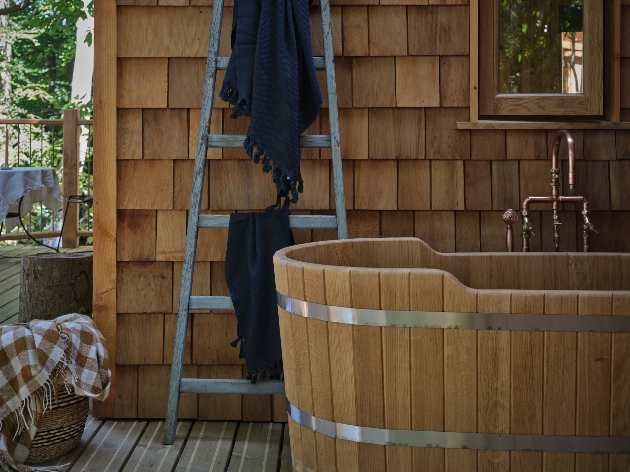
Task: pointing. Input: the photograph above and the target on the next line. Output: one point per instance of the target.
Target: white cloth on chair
(35, 184)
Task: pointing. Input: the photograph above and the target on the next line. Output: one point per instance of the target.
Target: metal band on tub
(455, 320)
(456, 440)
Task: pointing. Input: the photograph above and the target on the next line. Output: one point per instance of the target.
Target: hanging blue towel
(253, 239)
(271, 77)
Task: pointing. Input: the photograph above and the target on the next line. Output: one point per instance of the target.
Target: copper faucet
(554, 158)
(555, 199)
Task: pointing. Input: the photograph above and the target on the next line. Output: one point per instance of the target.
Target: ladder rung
(295, 221)
(231, 386)
(198, 302)
(222, 62)
(236, 140)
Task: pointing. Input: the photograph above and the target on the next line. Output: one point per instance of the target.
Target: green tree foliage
(37, 52)
(42, 35)
(530, 43)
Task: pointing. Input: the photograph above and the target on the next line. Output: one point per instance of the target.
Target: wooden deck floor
(136, 446)
(10, 277)
(209, 446)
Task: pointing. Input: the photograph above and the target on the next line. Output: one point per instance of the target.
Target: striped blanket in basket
(34, 359)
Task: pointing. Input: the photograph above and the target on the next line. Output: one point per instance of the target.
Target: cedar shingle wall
(403, 78)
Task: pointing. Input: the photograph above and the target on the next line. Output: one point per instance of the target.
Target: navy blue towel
(253, 239)
(271, 77)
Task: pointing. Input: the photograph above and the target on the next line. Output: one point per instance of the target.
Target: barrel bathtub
(398, 358)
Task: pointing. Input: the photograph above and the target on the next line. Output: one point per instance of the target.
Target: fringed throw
(271, 77)
(253, 239)
(36, 359)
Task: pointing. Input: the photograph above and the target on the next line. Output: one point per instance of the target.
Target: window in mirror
(545, 57)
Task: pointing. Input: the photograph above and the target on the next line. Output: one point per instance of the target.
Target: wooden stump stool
(52, 285)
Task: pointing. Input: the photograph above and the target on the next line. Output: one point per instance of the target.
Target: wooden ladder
(195, 220)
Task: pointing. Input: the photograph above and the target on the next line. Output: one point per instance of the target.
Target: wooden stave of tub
(484, 373)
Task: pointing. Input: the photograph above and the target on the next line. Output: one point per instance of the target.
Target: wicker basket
(60, 428)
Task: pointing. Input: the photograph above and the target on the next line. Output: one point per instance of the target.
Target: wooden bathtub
(400, 358)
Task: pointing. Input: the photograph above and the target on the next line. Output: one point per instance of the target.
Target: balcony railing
(65, 145)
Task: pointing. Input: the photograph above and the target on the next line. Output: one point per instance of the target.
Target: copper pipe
(572, 199)
(555, 199)
(509, 243)
(588, 226)
(529, 200)
(556, 149)
(560, 199)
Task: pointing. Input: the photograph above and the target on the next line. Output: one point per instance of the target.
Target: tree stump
(52, 285)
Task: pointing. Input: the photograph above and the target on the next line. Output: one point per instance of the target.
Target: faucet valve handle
(528, 230)
(556, 223)
(588, 226)
(510, 217)
(556, 232)
(555, 177)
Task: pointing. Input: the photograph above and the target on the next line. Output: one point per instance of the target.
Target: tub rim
(283, 257)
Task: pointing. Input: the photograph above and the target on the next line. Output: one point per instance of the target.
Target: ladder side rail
(193, 221)
(333, 117)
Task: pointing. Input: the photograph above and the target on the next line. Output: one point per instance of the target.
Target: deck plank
(9, 312)
(214, 446)
(22, 248)
(208, 447)
(19, 251)
(10, 271)
(9, 283)
(256, 448)
(150, 455)
(10, 321)
(9, 295)
(111, 446)
(9, 253)
(286, 464)
(92, 426)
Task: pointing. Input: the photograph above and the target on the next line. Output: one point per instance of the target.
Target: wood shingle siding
(142, 83)
(396, 133)
(403, 75)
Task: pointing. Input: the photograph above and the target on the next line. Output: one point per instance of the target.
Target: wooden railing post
(71, 134)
